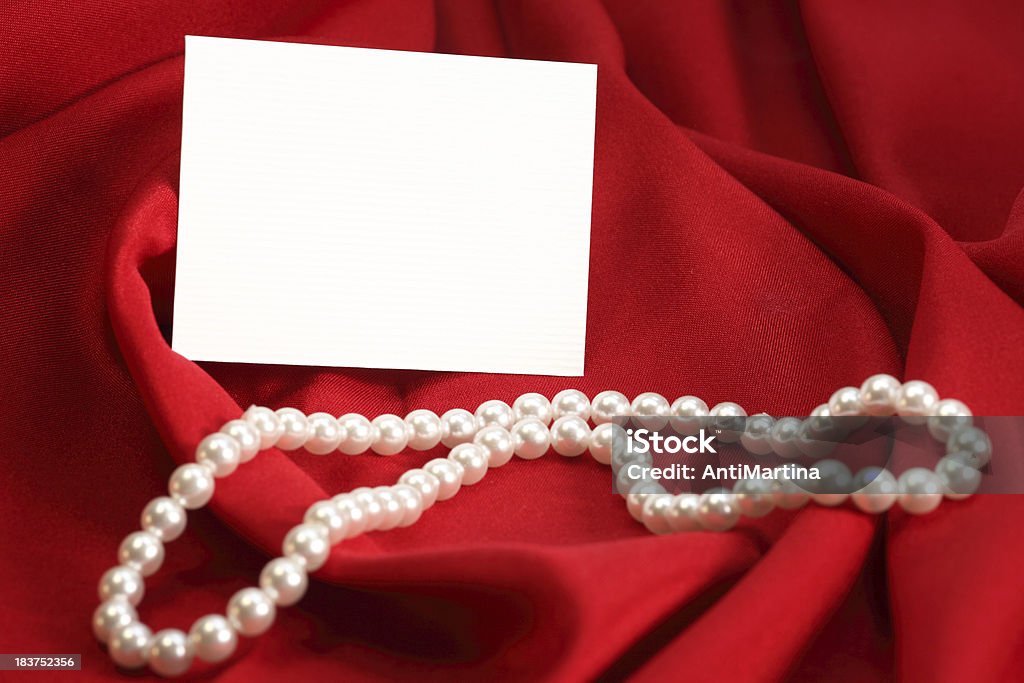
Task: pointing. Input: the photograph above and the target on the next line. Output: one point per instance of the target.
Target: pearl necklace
(487, 439)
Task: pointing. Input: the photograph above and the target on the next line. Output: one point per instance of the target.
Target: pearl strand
(488, 439)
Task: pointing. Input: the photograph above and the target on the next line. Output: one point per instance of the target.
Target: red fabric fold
(787, 199)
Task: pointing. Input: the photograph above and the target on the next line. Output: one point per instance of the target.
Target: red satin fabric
(787, 198)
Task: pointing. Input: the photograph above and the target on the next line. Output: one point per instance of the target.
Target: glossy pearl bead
(636, 496)
(603, 439)
(391, 508)
(325, 434)
(921, 490)
(411, 502)
(846, 402)
(532, 405)
(251, 612)
(878, 395)
(682, 513)
(266, 424)
(494, 413)
(717, 511)
(143, 551)
(950, 416)
(570, 402)
(129, 644)
(975, 443)
(448, 474)
(688, 414)
(359, 434)
(792, 494)
(728, 419)
(248, 438)
(353, 513)
(497, 442)
(284, 581)
(191, 486)
(219, 453)
(392, 435)
(164, 518)
(570, 436)
(654, 513)
(424, 429)
(325, 512)
(875, 490)
(650, 410)
(122, 581)
(426, 483)
(959, 479)
(308, 545)
(916, 400)
(755, 497)
(110, 615)
(530, 438)
(170, 653)
(473, 460)
(213, 638)
(835, 484)
(783, 437)
(608, 405)
(296, 429)
(757, 434)
(457, 426)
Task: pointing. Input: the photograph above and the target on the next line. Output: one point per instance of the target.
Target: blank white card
(370, 208)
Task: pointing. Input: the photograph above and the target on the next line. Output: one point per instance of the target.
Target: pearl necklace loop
(570, 424)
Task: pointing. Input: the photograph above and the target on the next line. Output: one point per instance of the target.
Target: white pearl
(570, 402)
(129, 645)
(392, 511)
(823, 426)
(682, 513)
(448, 474)
(325, 512)
(845, 402)
(424, 429)
(950, 416)
(717, 511)
(570, 436)
(251, 612)
(411, 501)
(959, 479)
(457, 426)
(426, 483)
(353, 513)
(110, 615)
(170, 653)
(757, 434)
(497, 442)
(392, 435)
(608, 405)
(650, 410)
(916, 401)
(756, 497)
(532, 405)
(811, 445)
(688, 414)
(247, 436)
(284, 581)
(835, 484)
(296, 429)
(783, 437)
(164, 518)
(975, 443)
(473, 460)
(266, 424)
(921, 490)
(878, 395)
(654, 513)
(359, 434)
(122, 581)
(627, 478)
(875, 490)
(143, 551)
(728, 419)
(603, 439)
(494, 413)
(637, 495)
(530, 438)
(191, 486)
(622, 457)
(307, 544)
(213, 638)
(792, 494)
(219, 453)
(325, 434)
